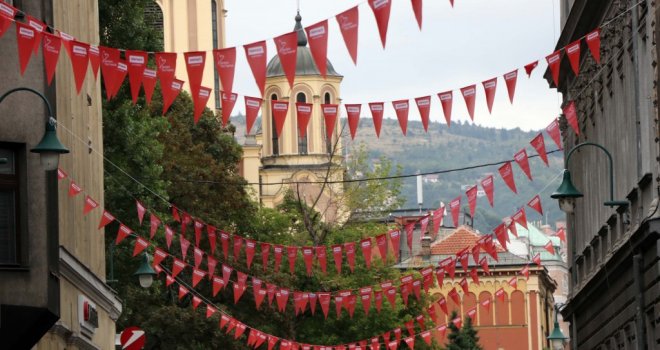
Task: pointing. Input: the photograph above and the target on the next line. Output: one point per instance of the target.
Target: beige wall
(188, 27)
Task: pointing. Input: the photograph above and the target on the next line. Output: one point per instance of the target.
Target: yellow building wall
(188, 26)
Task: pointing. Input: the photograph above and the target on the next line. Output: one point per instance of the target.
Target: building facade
(614, 297)
(53, 293)
(274, 165)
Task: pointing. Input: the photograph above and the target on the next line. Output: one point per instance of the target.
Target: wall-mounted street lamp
(50, 147)
(557, 337)
(145, 272)
(567, 193)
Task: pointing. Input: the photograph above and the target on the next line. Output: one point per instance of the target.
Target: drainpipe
(638, 266)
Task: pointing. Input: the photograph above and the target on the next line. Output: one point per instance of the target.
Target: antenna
(298, 5)
(420, 192)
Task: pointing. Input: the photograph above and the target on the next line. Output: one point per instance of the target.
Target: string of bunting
(32, 34)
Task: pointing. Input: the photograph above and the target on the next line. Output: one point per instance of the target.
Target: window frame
(302, 141)
(15, 182)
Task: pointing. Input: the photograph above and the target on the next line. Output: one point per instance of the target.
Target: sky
(472, 42)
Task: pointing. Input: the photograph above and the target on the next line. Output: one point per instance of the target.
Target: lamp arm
(50, 109)
(609, 156)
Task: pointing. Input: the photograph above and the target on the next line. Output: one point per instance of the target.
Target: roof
(305, 64)
(537, 241)
(503, 259)
(460, 239)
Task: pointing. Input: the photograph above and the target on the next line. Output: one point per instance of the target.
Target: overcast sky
(472, 42)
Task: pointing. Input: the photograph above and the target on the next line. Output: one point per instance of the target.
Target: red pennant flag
(390, 294)
(424, 107)
(458, 322)
(573, 53)
(271, 289)
(486, 304)
(348, 24)
(185, 244)
(484, 264)
(140, 245)
(593, 41)
(455, 207)
(303, 114)
(159, 255)
(365, 244)
(177, 267)
(224, 319)
(523, 162)
(198, 225)
(292, 254)
(312, 302)
(324, 300)
(535, 203)
(453, 294)
(61, 175)
(446, 99)
(474, 275)
(169, 95)
(74, 189)
(393, 345)
(381, 9)
(500, 234)
(225, 64)
(506, 171)
(199, 102)
(417, 289)
(432, 313)
(252, 108)
(427, 277)
(471, 194)
(238, 292)
(238, 244)
(308, 256)
(426, 336)
(120, 74)
(259, 295)
(365, 298)
(278, 251)
(240, 329)
(165, 66)
(195, 62)
(182, 292)
(197, 276)
(378, 298)
(141, 210)
(537, 259)
(7, 11)
(169, 234)
(210, 230)
(79, 62)
(148, 82)
(272, 340)
(350, 255)
(353, 115)
(210, 310)
(109, 61)
(520, 218)
(210, 264)
(487, 185)
(529, 68)
(226, 274)
(561, 233)
(250, 249)
(554, 60)
(449, 265)
(463, 257)
(438, 217)
(570, 113)
(472, 313)
(401, 108)
(39, 28)
(196, 301)
(555, 134)
(137, 61)
(410, 341)
(337, 255)
(469, 94)
(464, 285)
(512, 228)
(90, 204)
(224, 239)
(381, 242)
(417, 9)
(548, 246)
(443, 305)
(377, 115)
(279, 109)
(94, 59)
(317, 35)
(440, 276)
(265, 251)
(395, 238)
(256, 54)
(489, 89)
(410, 227)
(321, 256)
(287, 48)
(51, 50)
(26, 37)
(420, 321)
(513, 282)
(510, 80)
(199, 255)
(330, 116)
(539, 145)
(228, 102)
(525, 272)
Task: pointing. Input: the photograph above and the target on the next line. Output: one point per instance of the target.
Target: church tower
(282, 162)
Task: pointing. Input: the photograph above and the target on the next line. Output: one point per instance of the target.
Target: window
(328, 142)
(153, 15)
(273, 130)
(214, 29)
(302, 141)
(9, 191)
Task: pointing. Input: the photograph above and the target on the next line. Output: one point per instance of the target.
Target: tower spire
(302, 38)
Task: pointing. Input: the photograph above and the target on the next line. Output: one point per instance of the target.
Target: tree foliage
(462, 339)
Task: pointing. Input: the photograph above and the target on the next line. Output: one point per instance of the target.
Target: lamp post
(145, 272)
(567, 193)
(50, 147)
(557, 337)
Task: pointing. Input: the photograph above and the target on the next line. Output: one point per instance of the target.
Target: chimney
(426, 246)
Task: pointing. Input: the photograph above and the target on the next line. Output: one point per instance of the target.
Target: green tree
(462, 339)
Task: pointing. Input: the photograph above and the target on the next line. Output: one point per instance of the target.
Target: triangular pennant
(287, 48)
(486, 304)
(417, 9)
(573, 53)
(250, 250)
(228, 101)
(401, 108)
(554, 60)
(265, 252)
(148, 82)
(137, 61)
(471, 194)
(212, 236)
(348, 24)
(177, 267)
(238, 245)
(500, 234)
(109, 61)
(426, 336)
(453, 295)
(252, 108)
(378, 298)
(141, 210)
(279, 109)
(593, 41)
(490, 86)
(570, 113)
(61, 175)
(510, 80)
(474, 274)
(381, 9)
(292, 255)
(211, 264)
(424, 107)
(256, 54)
(455, 207)
(525, 272)
(446, 99)
(39, 28)
(395, 241)
(308, 259)
(555, 134)
(506, 171)
(537, 259)
(170, 94)
(512, 228)
(94, 55)
(159, 256)
(520, 217)
(377, 115)
(199, 102)
(381, 242)
(7, 11)
(282, 296)
(561, 233)
(312, 302)
(196, 301)
(487, 185)
(79, 62)
(238, 292)
(529, 68)
(140, 245)
(303, 114)
(122, 233)
(185, 244)
(210, 310)
(90, 204)
(197, 276)
(410, 341)
(165, 67)
(484, 264)
(442, 302)
(469, 95)
(183, 291)
(513, 282)
(523, 162)
(226, 274)
(549, 247)
(464, 285)
(195, 62)
(169, 234)
(317, 35)
(52, 45)
(449, 266)
(350, 255)
(324, 300)
(330, 112)
(225, 64)
(535, 203)
(278, 251)
(365, 244)
(198, 225)
(121, 70)
(321, 256)
(353, 116)
(539, 145)
(365, 298)
(338, 257)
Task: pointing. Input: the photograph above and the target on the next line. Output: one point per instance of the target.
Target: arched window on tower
(273, 130)
(302, 141)
(153, 16)
(328, 142)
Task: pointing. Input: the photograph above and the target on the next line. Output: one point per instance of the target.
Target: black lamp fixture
(50, 147)
(567, 193)
(145, 272)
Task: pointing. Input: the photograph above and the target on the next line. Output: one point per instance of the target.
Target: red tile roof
(460, 239)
